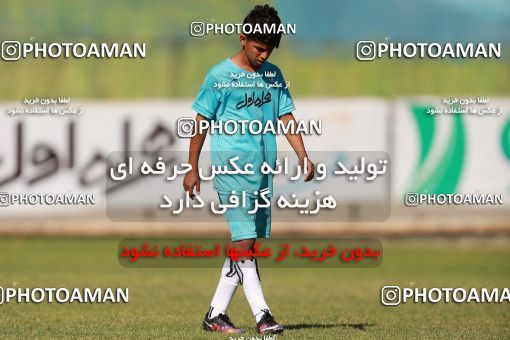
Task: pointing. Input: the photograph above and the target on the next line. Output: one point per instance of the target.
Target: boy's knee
(244, 245)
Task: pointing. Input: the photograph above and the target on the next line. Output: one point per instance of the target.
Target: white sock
(252, 287)
(259, 315)
(227, 286)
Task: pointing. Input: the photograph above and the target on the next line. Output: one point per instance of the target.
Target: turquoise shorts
(243, 225)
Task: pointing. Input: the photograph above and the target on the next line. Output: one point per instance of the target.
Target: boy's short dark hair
(264, 15)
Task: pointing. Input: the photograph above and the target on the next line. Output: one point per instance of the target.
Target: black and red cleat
(220, 323)
(267, 325)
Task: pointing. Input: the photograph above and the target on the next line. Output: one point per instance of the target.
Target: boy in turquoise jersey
(244, 88)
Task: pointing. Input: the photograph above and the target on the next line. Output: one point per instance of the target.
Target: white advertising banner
(60, 146)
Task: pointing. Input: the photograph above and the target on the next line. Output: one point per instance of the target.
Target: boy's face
(256, 51)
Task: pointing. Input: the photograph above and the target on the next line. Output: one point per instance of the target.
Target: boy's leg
(244, 271)
(216, 318)
(229, 278)
(249, 277)
(226, 288)
(245, 228)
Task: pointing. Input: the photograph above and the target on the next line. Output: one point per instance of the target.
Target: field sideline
(311, 303)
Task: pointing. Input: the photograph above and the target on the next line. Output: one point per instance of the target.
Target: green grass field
(311, 303)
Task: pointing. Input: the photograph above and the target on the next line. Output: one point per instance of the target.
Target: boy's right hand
(191, 180)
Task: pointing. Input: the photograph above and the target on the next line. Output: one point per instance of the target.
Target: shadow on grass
(360, 326)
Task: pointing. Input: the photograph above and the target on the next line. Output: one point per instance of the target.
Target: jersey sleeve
(285, 102)
(208, 98)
